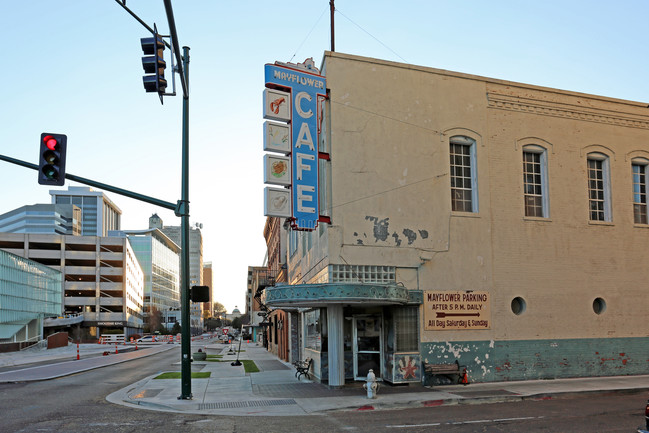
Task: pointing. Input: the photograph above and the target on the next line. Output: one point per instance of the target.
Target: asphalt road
(77, 404)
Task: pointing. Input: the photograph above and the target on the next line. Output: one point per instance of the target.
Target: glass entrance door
(368, 348)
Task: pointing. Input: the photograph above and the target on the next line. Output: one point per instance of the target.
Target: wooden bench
(302, 368)
(450, 371)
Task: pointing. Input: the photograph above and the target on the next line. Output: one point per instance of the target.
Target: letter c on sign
(298, 105)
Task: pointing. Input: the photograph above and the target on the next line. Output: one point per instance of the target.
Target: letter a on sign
(304, 137)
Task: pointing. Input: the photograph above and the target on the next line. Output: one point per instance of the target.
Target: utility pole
(332, 9)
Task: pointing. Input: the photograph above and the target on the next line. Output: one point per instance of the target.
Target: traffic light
(154, 63)
(51, 159)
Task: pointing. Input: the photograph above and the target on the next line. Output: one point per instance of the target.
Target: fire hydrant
(372, 386)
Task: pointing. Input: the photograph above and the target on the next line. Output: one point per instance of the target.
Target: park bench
(450, 371)
(302, 368)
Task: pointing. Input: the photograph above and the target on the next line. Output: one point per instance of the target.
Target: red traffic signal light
(51, 159)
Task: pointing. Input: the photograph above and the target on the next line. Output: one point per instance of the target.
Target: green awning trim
(310, 295)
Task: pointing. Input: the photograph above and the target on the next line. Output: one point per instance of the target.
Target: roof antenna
(332, 8)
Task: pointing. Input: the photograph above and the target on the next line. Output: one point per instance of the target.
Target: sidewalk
(274, 390)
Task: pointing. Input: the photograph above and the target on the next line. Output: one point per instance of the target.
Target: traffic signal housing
(154, 63)
(51, 159)
(199, 294)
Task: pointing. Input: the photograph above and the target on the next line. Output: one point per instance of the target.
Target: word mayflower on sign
(292, 95)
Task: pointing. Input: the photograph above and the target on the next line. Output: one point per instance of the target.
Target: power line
(386, 191)
(309, 34)
(345, 104)
(372, 36)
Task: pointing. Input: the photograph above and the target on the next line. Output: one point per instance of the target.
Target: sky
(74, 67)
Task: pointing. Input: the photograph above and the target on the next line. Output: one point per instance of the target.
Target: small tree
(219, 309)
(154, 321)
(176, 329)
(236, 323)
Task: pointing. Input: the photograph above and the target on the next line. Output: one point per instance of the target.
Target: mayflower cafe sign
(292, 97)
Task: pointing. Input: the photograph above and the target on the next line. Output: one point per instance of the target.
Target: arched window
(464, 186)
(639, 171)
(599, 187)
(535, 181)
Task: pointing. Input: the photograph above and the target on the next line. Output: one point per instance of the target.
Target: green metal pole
(186, 356)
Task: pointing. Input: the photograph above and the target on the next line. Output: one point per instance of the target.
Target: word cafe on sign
(293, 96)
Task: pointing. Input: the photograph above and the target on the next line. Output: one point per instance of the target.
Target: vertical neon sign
(305, 87)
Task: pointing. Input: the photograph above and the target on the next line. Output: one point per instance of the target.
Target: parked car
(146, 339)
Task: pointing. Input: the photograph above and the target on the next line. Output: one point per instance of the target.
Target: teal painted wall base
(494, 361)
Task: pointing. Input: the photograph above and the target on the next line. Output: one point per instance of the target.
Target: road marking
(478, 421)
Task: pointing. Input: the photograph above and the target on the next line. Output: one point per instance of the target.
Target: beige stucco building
(499, 224)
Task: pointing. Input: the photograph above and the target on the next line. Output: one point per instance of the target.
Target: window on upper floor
(599, 187)
(464, 188)
(292, 242)
(639, 170)
(535, 182)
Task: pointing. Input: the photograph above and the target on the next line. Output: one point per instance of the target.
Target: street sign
(225, 331)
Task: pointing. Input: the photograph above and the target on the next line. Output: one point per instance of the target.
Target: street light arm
(176, 48)
(90, 182)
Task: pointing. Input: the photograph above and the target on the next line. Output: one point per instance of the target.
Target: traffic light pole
(182, 210)
(185, 348)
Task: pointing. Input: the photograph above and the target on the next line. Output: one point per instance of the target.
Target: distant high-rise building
(195, 263)
(98, 213)
(57, 219)
(207, 281)
(160, 261)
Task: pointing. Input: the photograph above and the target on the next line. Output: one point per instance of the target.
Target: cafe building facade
(462, 218)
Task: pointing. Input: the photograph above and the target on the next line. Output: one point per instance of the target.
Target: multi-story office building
(56, 219)
(159, 258)
(98, 213)
(102, 279)
(29, 293)
(497, 224)
(195, 264)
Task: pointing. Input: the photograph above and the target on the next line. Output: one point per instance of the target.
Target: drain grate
(253, 403)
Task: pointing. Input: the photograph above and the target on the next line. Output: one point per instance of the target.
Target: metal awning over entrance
(311, 295)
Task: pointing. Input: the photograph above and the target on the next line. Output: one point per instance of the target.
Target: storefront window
(313, 330)
(406, 324)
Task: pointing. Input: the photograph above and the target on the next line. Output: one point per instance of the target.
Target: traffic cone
(465, 378)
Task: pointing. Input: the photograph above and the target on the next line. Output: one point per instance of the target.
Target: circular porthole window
(518, 305)
(599, 305)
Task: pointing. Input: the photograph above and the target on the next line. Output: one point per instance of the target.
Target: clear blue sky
(74, 67)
